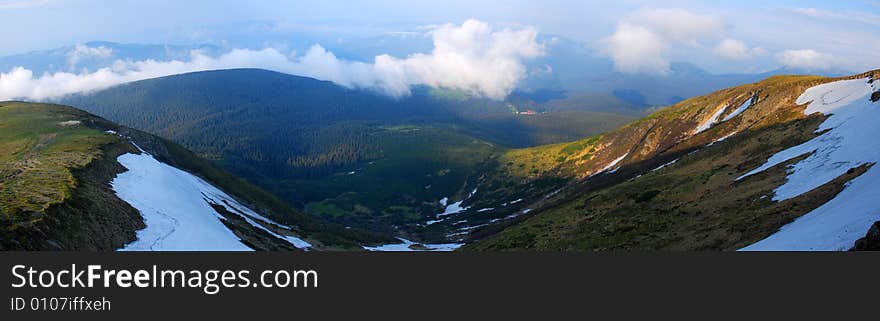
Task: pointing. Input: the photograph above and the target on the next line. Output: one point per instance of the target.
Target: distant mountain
(571, 70)
(642, 90)
(576, 72)
(98, 54)
(73, 181)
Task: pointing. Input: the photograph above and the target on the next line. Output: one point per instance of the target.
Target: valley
(441, 171)
(352, 157)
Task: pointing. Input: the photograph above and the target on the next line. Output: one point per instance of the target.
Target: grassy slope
(55, 167)
(693, 204)
(55, 163)
(39, 147)
(298, 137)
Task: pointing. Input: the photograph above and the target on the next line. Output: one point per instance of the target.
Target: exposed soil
(92, 219)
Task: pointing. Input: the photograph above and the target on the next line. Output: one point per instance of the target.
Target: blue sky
(843, 30)
(480, 46)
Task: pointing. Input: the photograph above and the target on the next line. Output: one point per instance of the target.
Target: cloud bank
(472, 57)
(732, 49)
(641, 42)
(83, 52)
(806, 59)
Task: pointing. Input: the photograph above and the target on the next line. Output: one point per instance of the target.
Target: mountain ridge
(767, 112)
(45, 138)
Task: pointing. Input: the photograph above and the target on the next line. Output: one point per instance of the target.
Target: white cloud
(636, 49)
(642, 39)
(805, 58)
(736, 50)
(678, 24)
(472, 57)
(850, 16)
(81, 52)
(20, 4)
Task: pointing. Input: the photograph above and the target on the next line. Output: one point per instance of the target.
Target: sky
(475, 37)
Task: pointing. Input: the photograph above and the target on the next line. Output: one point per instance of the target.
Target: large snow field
(175, 206)
(852, 139)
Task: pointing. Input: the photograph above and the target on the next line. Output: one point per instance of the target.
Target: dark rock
(875, 96)
(871, 241)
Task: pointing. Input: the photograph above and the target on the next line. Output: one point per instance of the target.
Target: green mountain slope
(56, 163)
(663, 182)
(299, 138)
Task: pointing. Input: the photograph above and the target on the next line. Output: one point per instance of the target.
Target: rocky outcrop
(871, 241)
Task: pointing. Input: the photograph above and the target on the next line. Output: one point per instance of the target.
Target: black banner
(543, 286)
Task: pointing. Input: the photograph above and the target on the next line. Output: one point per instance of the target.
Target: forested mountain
(709, 172)
(786, 163)
(300, 138)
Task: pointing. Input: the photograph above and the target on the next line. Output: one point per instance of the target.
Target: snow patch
(664, 165)
(611, 165)
(739, 110)
(711, 121)
(722, 139)
(553, 193)
(850, 141)
(512, 202)
(406, 244)
(453, 208)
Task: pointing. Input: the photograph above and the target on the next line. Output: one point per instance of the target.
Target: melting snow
(452, 209)
(722, 139)
(711, 121)
(405, 247)
(175, 208)
(739, 110)
(512, 202)
(553, 193)
(664, 165)
(851, 141)
(612, 164)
